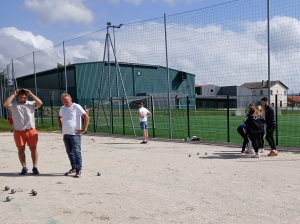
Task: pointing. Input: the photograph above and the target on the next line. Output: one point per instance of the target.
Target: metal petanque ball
(7, 188)
(98, 174)
(13, 191)
(33, 190)
(34, 193)
(8, 198)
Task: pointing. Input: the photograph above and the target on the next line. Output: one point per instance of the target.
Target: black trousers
(270, 137)
(255, 139)
(244, 136)
(261, 141)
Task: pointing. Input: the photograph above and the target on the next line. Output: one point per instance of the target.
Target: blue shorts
(144, 125)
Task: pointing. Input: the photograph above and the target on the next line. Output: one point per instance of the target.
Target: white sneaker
(256, 155)
(261, 150)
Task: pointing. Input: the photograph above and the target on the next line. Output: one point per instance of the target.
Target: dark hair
(264, 99)
(141, 103)
(22, 92)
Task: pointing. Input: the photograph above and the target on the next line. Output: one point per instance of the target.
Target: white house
(260, 89)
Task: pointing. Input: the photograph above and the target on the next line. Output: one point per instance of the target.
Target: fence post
(228, 130)
(51, 108)
(111, 116)
(276, 118)
(188, 115)
(123, 115)
(152, 117)
(41, 115)
(93, 102)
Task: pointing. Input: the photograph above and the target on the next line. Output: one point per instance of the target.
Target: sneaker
(273, 153)
(144, 142)
(24, 171)
(261, 150)
(35, 171)
(70, 172)
(243, 151)
(78, 174)
(256, 155)
(250, 151)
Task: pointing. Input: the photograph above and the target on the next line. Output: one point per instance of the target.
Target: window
(285, 93)
(261, 92)
(271, 92)
(280, 103)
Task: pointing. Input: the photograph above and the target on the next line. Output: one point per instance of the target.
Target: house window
(271, 92)
(280, 103)
(285, 93)
(261, 92)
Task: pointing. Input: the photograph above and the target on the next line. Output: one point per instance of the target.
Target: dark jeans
(270, 138)
(244, 136)
(73, 149)
(255, 139)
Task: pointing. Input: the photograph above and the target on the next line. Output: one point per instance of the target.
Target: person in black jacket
(254, 128)
(270, 125)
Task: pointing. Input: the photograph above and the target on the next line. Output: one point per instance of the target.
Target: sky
(227, 46)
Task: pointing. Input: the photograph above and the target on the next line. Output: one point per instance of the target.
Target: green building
(86, 81)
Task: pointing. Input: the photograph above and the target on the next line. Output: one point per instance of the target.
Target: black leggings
(244, 136)
(261, 141)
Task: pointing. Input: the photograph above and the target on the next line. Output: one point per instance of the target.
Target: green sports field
(208, 125)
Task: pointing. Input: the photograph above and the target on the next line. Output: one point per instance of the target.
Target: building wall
(277, 89)
(137, 79)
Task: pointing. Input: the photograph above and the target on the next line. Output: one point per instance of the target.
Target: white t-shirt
(144, 112)
(71, 118)
(23, 115)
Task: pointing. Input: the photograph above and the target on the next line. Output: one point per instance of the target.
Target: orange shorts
(10, 120)
(30, 136)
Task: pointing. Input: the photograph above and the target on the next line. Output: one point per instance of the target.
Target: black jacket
(254, 125)
(269, 116)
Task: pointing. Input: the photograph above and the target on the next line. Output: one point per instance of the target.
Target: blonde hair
(254, 109)
(260, 111)
(65, 95)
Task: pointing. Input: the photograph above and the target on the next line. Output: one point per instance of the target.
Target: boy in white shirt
(143, 115)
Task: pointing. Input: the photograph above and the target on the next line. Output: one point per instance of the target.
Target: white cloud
(175, 2)
(66, 11)
(169, 2)
(15, 43)
(215, 55)
(135, 2)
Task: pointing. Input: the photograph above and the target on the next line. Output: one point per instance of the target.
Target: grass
(208, 125)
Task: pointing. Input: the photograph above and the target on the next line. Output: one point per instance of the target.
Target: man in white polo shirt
(69, 120)
(24, 125)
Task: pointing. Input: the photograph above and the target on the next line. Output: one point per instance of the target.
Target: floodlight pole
(108, 43)
(269, 62)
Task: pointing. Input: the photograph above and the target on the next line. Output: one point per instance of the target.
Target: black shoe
(144, 142)
(35, 171)
(24, 171)
(12, 131)
(70, 172)
(78, 174)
